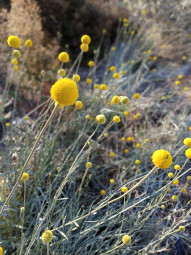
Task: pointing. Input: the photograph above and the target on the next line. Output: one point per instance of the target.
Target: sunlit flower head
(25, 177)
(112, 154)
(116, 119)
(84, 47)
(112, 68)
(126, 239)
(16, 54)
(162, 159)
(29, 43)
(86, 39)
(47, 236)
(116, 76)
(136, 95)
(63, 57)
(103, 87)
(78, 105)
(101, 119)
(89, 81)
(102, 192)
(91, 64)
(187, 142)
(115, 100)
(61, 72)
(14, 41)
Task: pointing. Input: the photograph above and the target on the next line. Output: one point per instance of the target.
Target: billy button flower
(123, 139)
(126, 151)
(136, 96)
(29, 43)
(76, 77)
(86, 39)
(188, 153)
(102, 192)
(64, 92)
(112, 154)
(16, 68)
(61, 72)
(187, 142)
(101, 119)
(113, 48)
(88, 164)
(16, 54)
(176, 182)
(162, 159)
(103, 87)
(130, 138)
(84, 47)
(137, 162)
(63, 57)
(126, 113)
(78, 105)
(14, 41)
(89, 81)
(91, 64)
(126, 239)
(47, 236)
(177, 167)
(96, 86)
(170, 175)
(182, 228)
(177, 83)
(112, 68)
(25, 177)
(14, 62)
(115, 100)
(111, 181)
(116, 76)
(124, 189)
(116, 119)
(124, 100)
(174, 198)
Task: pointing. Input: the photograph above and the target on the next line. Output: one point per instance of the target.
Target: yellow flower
(124, 100)
(182, 228)
(112, 68)
(112, 154)
(16, 68)
(106, 134)
(101, 119)
(180, 77)
(126, 113)
(88, 165)
(177, 83)
(14, 62)
(27, 117)
(113, 48)
(124, 189)
(14, 41)
(130, 138)
(176, 182)
(1, 250)
(123, 72)
(136, 95)
(29, 43)
(111, 181)
(116, 119)
(89, 81)
(163, 207)
(137, 162)
(170, 175)
(115, 100)
(187, 141)
(116, 75)
(126, 151)
(96, 86)
(177, 167)
(16, 54)
(63, 57)
(138, 145)
(188, 178)
(86, 39)
(188, 153)
(126, 239)
(103, 87)
(25, 177)
(8, 124)
(91, 63)
(64, 92)
(47, 236)
(102, 192)
(162, 159)
(88, 117)
(78, 105)
(174, 198)
(132, 32)
(146, 140)
(76, 77)
(125, 20)
(183, 190)
(62, 72)
(84, 47)
(123, 139)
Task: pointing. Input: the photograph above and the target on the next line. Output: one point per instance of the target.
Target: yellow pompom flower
(101, 119)
(115, 100)
(88, 117)
(63, 57)
(136, 95)
(16, 54)
(116, 119)
(124, 189)
(126, 151)
(177, 83)
(91, 64)
(106, 134)
(102, 192)
(176, 182)
(47, 236)
(126, 239)
(180, 77)
(177, 167)
(14, 62)
(187, 142)
(170, 175)
(182, 228)
(14, 41)
(183, 190)
(84, 47)
(123, 139)
(89, 81)
(112, 154)
(137, 162)
(76, 77)
(174, 198)
(111, 181)
(163, 207)
(116, 76)
(86, 39)
(162, 159)
(188, 153)
(113, 48)
(112, 68)
(123, 72)
(8, 124)
(16, 68)
(130, 138)
(78, 105)
(126, 113)
(29, 43)
(124, 100)
(88, 165)
(25, 177)
(64, 92)
(96, 86)
(1, 250)
(103, 87)
(61, 72)
(146, 140)
(138, 145)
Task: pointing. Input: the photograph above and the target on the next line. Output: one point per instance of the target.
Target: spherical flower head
(174, 198)
(123, 139)
(146, 140)
(112, 154)
(137, 162)
(16, 54)
(14, 41)
(130, 138)
(88, 165)
(115, 100)
(138, 145)
(116, 119)
(1, 250)
(112, 68)
(91, 64)
(103, 87)
(188, 153)
(188, 178)
(8, 124)
(183, 190)
(63, 57)
(187, 142)
(126, 113)
(61, 72)
(89, 81)
(84, 47)
(76, 77)
(86, 39)
(176, 182)
(182, 228)
(162, 159)
(126, 151)
(123, 72)
(102, 192)
(170, 175)
(177, 83)
(126, 239)
(47, 236)
(116, 75)
(78, 105)
(88, 117)
(111, 181)
(180, 77)
(14, 62)
(25, 177)
(29, 43)
(113, 48)
(101, 119)
(124, 189)
(96, 86)
(124, 100)
(177, 167)
(163, 207)
(136, 95)
(16, 68)
(64, 92)
(106, 134)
